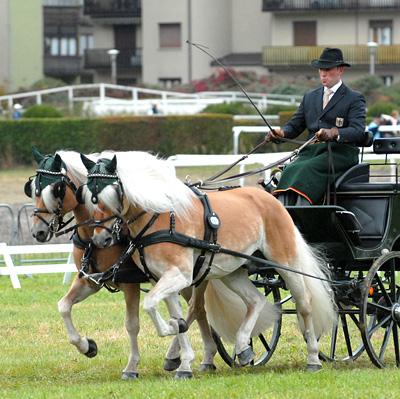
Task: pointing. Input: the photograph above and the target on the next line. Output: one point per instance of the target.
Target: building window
(60, 41)
(170, 35)
(380, 32)
(85, 43)
(387, 80)
(305, 33)
(168, 83)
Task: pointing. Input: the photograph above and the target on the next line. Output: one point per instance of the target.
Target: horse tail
(324, 310)
(226, 311)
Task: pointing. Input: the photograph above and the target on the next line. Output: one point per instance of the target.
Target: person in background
(334, 113)
(17, 111)
(153, 110)
(390, 120)
(374, 126)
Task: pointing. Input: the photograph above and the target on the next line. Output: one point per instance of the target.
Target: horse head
(54, 192)
(103, 195)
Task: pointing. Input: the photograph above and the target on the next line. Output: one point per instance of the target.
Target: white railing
(238, 130)
(140, 99)
(10, 269)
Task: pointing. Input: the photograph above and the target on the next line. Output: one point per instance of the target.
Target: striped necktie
(327, 93)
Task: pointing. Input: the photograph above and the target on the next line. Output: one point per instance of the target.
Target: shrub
(230, 109)
(381, 108)
(42, 111)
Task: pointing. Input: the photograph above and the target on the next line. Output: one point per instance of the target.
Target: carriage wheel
(339, 346)
(380, 311)
(265, 344)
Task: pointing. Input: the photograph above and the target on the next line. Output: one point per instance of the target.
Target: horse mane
(150, 183)
(75, 168)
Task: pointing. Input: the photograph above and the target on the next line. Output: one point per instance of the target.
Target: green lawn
(37, 360)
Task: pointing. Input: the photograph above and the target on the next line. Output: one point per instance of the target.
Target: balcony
(301, 56)
(127, 59)
(62, 65)
(112, 8)
(340, 5)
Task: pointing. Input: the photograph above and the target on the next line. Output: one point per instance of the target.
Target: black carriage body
(360, 235)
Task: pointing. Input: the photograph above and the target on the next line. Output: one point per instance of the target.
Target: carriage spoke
(385, 340)
(347, 335)
(396, 343)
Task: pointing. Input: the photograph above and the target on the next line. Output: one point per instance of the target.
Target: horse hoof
(246, 356)
(172, 364)
(207, 367)
(313, 368)
(183, 327)
(92, 351)
(183, 375)
(130, 375)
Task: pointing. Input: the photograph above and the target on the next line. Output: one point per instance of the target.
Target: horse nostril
(42, 235)
(107, 242)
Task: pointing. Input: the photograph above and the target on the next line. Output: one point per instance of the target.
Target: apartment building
(21, 44)
(266, 36)
(71, 39)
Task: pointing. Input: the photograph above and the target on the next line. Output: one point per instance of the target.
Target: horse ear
(112, 165)
(79, 195)
(57, 162)
(87, 162)
(37, 155)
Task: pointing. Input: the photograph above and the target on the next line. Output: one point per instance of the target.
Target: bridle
(60, 181)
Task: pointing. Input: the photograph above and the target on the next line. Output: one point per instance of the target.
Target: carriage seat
(369, 201)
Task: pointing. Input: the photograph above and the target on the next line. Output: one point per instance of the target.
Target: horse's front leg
(132, 299)
(196, 311)
(78, 292)
(166, 288)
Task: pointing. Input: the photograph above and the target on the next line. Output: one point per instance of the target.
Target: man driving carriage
(334, 113)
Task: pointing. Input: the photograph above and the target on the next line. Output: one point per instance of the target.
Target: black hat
(330, 57)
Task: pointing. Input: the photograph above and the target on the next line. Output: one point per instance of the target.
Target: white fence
(104, 99)
(179, 160)
(10, 269)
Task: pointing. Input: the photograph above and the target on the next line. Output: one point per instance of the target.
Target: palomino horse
(54, 186)
(169, 223)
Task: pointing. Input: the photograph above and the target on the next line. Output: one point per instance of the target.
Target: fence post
(67, 275)
(10, 266)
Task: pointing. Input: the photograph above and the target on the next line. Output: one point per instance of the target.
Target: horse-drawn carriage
(358, 234)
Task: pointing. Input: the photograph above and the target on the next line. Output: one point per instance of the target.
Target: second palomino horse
(169, 225)
(54, 187)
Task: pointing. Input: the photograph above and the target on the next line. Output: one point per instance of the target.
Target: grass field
(37, 360)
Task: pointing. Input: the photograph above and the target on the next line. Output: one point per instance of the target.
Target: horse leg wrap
(130, 375)
(182, 375)
(207, 367)
(246, 356)
(183, 327)
(172, 364)
(92, 351)
(313, 368)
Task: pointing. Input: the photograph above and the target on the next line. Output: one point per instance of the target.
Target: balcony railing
(62, 65)
(112, 8)
(301, 56)
(297, 5)
(100, 59)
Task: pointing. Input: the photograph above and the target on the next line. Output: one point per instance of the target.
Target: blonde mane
(150, 182)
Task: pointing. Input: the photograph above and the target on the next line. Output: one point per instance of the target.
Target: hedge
(164, 135)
